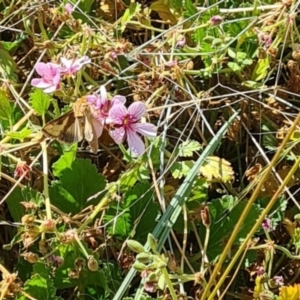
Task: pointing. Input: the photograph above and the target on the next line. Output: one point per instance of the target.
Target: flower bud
(152, 276)
(139, 266)
(216, 20)
(144, 257)
(152, 242)
(135, 246)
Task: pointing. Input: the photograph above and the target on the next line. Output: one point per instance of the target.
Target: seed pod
(93, 264)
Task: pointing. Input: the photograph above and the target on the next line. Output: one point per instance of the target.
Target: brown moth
(74, 126)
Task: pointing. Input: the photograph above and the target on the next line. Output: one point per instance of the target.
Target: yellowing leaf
(163, 11)
(289, 226)
(129, 13)
(289, 292)
(6, 109)
(217, 168)
(187, 148)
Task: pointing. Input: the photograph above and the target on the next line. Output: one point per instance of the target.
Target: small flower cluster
(124, 123)
(51, 73)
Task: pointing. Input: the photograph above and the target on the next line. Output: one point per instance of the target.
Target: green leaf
(247, 62)
(40, 285)
(40, 101)
(278, 209)
(31, 195)
(261, 69)
(234, 66)
(8, 67)
(120, 225)
(269, 140)
(240, 55)
(177, 4)
(11, 46)
(6, 109)
(20, 135)
(137, 209)
(181, 169)
(129, 13)
(187, 148)
(18, 195)
(86, 277)
(224, 213)
(231, 53)
(190, 8)
(77, 184)
(130, 179)
(143, 210)
(85, 5)
(16, 209)
(65, 161)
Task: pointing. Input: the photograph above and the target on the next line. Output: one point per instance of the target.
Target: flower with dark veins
(126, 124)
(101, 105)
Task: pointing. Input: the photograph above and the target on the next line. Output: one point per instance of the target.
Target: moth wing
(88, 129)
(90, 132)
(65, 128)
(73, 133)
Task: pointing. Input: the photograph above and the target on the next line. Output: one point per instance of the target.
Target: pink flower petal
(91, 99)
(56, 79)
(136, 110)
(69, 8)
(117, 114)
(40, 83)
(146, 129)
(84, 60)
(41, 68)
(118, 99)
(50, 89)
(135, 143)
(118, 135)
(66, 63)
(103, 92)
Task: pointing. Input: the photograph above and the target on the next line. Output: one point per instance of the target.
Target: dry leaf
(251, 173)
(289, 226)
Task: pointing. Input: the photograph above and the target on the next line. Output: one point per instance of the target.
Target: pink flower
(181, 42)
(101, 106)
(50, 74)
(71, 66)
(267, 224)
(126, 124)
(69, 8)
(22, 170)
(216, 20)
